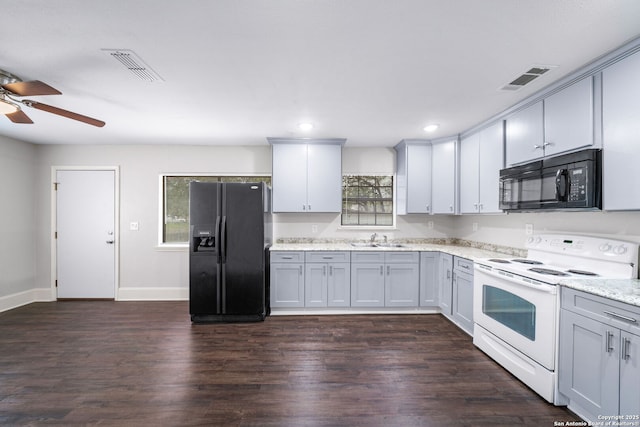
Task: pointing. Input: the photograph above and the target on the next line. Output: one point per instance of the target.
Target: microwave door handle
(562, 185)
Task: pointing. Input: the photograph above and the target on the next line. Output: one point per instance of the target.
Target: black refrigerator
(231, 231)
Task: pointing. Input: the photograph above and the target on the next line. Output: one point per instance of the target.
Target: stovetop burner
(500, 260)
(582, 272)
(548, 271)
(527, 261)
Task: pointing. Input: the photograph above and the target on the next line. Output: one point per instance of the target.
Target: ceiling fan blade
(31, 88)
(65, 113)
(19, 117)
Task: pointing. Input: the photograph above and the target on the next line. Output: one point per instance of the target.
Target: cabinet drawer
(327, 256)
(407, 257)
(618, 314)
(287, 256)
(372, 256)
(462, 265)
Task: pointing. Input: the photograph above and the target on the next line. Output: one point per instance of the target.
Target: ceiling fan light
(7, 107)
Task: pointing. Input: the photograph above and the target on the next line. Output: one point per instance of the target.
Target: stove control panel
(591, 247)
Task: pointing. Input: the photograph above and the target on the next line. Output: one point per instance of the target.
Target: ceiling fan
(12, 87)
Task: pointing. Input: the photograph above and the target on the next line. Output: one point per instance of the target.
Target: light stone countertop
(461, 250)
(623, 290)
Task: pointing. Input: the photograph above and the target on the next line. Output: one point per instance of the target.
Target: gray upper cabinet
(481, 158)
(621, 133)
(443, 186)
(306, 175)
(561, 122)
(413, 177)
(568, 118)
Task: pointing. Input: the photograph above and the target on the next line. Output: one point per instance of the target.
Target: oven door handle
(518, 280)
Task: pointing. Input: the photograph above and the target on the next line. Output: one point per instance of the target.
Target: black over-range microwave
(569, 181)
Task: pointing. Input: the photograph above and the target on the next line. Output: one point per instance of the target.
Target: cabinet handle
(301, 270)
(537, 147)
(381, 270)
(481, 207)
(546, 144)
(388, 270)
(428, 208)
(287, 257)
(450, 208)
(448, 274)
(324, 270)
(607, 342)
(330, 270)
(620, 316)
(626, 343)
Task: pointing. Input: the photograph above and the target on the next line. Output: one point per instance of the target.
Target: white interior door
(85, 225)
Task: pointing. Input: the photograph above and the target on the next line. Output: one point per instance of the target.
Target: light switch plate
(134, 226)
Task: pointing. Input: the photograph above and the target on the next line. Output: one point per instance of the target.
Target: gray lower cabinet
(599, 362)
(385, 279)
(327, 279)
(462, 301)
(445, 273)
(287, 279)
(429, 279)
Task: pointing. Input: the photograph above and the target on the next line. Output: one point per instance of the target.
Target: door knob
(110, 242)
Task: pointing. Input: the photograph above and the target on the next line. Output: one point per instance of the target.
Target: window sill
(172, 247)
(368, 227)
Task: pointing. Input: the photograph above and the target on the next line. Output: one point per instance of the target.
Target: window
(175, 206)
(367, 200)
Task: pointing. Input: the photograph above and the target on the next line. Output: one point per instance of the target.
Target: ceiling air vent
(135, 64)
(527, 77)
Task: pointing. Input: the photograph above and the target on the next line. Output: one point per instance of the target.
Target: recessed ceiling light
(305, 126)
(431, 128)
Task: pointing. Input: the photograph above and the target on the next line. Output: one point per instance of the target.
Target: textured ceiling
(237, 71)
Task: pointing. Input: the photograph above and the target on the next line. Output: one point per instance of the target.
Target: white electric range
(516, 301)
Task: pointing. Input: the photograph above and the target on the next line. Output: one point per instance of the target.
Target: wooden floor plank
(144, 363)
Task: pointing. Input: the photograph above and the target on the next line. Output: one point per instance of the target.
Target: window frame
(391, 226)
(170, 246)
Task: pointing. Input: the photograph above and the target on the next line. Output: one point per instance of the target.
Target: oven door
(523, 315)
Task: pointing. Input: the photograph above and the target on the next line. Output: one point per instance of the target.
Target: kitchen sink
(376, 245)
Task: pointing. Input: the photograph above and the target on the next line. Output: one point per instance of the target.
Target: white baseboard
(19, 299)
(153, 294)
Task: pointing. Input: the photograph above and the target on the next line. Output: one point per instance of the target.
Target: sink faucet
(385, 238)
(373, 237)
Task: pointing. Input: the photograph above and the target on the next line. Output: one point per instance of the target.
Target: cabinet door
(367, 285)
(491, 154)
(429, 279)
(339, 285)
(419, 179)
(568, 118)
(469, 173)
(589, 363)
(462, 307)
(289, 177)
(324, 178)
(629, 374)
(446, 283)
(402, 283)
(315, 285)
(621, 132)
(287, 285)
(443, 192)
(524, 135)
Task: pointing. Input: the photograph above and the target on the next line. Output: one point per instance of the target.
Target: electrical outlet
(134, 226)
(474, 226)
(430, 225)
(314, 228)
(528, 229)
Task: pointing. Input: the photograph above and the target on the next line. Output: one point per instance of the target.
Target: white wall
(18, 209)
(25, 254)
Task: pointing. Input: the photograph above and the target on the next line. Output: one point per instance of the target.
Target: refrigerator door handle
(217, 240)
(223, 239)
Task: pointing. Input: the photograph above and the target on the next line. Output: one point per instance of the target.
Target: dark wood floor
(144, 363)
